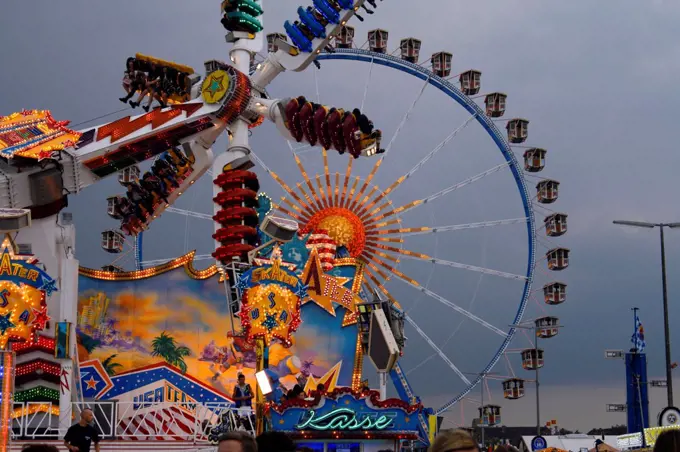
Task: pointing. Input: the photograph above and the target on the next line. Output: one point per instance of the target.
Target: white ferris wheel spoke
(420, 364)
(469, 181)
(302, 149)
(189, 213)
(121, 256)
(439, 194)
(438, 148)
(155, 262)
(368, 81)
(453, 227)
(474, 268)
(450, 304)
(436, 349)
(271, 173)
(405, 118)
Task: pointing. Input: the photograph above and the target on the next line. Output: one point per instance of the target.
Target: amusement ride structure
(339, 215)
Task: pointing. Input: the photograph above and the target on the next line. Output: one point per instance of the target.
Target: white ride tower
(227, 99)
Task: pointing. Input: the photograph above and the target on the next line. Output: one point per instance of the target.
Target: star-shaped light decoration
(10, 248)
(40, 318)
(329, 379)
(215, 86)
(324, 289)
(69, 144)
(42, 155)
(302, 291)
(49, 287)
(6, 323)
(243, 281)
(270, 322)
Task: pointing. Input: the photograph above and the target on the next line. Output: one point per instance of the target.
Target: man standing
(243, 394)
(236, 441)
(81, 435)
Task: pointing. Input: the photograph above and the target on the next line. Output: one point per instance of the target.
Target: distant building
(503, 434)
(576, 442)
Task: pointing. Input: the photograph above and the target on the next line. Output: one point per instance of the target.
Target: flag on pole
(638, 338)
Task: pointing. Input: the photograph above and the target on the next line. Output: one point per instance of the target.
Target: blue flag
(638, 338)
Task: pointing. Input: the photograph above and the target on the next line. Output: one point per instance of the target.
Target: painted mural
(177, 318)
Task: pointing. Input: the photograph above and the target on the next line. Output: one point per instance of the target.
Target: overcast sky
(596, 79)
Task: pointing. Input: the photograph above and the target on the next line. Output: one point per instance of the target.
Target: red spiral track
(237, 216)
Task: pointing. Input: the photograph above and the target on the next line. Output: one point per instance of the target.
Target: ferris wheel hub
(342, 225)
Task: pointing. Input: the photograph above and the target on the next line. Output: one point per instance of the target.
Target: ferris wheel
(396, 215)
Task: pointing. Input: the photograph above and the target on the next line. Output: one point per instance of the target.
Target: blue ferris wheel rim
(454, 93)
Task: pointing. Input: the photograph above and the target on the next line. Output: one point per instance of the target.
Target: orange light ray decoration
(336, 190)
(327, 176)
(34, 134)
(23, 290)
(271, 302)
(357, 215)
(348, 175)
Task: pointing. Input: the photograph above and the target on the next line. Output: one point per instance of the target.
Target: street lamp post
(666, 328)
(484, 376)
(538, 400)
(535, 328)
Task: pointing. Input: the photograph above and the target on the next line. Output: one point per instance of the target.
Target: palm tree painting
(110, 366)
(166, 347)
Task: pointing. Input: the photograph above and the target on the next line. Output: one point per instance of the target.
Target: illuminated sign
(162, 394)
(325, 289)
(345, 419)
(23, 289)
(270, 306)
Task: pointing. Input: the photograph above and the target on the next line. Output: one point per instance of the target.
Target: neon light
(345, 419)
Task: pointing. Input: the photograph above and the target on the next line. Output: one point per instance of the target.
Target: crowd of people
(266, 442)
(155, 81)
(143, 195)
(239, 441)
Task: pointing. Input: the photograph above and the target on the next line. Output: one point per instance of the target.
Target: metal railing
(133, 421)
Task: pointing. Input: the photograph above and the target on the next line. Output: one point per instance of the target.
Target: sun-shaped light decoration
(356, 215)
(342, 225)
